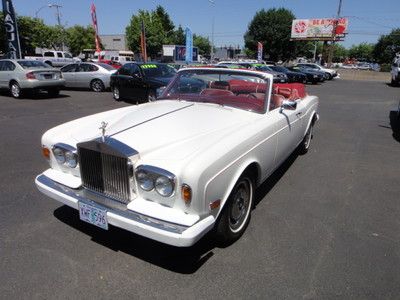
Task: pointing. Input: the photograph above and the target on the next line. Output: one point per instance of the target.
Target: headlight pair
(65, 154)
(152, 178)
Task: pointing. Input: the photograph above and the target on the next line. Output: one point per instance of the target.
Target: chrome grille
(104, 171)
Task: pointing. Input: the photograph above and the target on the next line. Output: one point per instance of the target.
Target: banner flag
(189, 45)
(11, 28)
(259, 51)
(143, 45)
(95, 27)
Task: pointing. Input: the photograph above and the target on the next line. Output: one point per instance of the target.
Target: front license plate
(93, 215)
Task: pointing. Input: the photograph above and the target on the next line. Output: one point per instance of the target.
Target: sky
(368, 19)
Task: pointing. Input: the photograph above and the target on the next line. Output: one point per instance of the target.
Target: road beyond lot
(326, 225)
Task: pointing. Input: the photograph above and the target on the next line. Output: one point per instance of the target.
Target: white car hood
(166, 128)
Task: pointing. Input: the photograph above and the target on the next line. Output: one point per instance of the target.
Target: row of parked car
(137, 81)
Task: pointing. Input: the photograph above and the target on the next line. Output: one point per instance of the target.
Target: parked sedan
(20, 76)
(313, 76)
(330, 73)
(279, 77)
(95, 76)
(141, 82)
(176, 168)
(292, 76)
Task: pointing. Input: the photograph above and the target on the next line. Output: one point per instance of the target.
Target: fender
(234, 178)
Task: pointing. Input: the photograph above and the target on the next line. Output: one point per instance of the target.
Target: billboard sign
(180, 53)
(315, 29)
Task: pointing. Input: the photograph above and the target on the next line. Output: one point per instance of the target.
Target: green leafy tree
(79, 38)
(339, 53)
(179, 36)
(202, 43)
(387, 46)
(156, 36)
(362, 51)
(272, 28)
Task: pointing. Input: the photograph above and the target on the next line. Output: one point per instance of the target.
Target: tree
(362, 51)
(272, 28)
(79, 38)
(179, 36)
(156, 36)
(202, 43)
(387, 46)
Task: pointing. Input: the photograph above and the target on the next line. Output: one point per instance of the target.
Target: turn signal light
(46, 152)
(215, 204)
(186, 193)
(30, 75)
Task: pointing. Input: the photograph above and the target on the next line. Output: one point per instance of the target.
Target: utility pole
(330, 56)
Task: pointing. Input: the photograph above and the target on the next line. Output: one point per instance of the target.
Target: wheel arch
(251, 167)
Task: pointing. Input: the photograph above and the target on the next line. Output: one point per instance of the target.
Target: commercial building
(114, 41)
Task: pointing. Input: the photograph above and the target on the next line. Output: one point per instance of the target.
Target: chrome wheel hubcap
(308, 137)
(15, 90)
(116, 93)
(97, 86)
(240, 208)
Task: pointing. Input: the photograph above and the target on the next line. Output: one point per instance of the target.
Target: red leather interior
(290, 91)
(221, 85)
(216, 92)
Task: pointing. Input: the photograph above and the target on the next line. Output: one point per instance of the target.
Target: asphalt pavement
(326, 224)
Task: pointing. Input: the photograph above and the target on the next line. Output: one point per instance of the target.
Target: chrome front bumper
(119, 216)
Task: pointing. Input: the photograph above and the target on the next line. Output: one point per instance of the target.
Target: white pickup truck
(395, 72)
(55, 58)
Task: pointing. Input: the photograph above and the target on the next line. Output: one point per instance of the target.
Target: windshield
(262, 68)
(225, 87)
(27, 64)
(158, 70)
(107, 67)
(279, 69)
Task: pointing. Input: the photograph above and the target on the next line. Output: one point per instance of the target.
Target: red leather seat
(221, 85)
(276, 101)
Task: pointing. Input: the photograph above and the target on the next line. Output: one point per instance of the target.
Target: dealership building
(114, 41)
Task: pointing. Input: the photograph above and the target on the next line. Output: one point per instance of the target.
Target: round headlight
(145, 181)
(164, 186)
(59, 155)
(71, 159)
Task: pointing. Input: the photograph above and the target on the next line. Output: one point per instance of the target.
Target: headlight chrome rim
(144, 180)
(59, 155)
(164, 186)
(65, 155)
(158, 180)
(71, 159)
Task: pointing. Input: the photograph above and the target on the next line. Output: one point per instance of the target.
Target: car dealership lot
(326, 225)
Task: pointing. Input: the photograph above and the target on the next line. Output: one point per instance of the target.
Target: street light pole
(212, 30)
(57, 7)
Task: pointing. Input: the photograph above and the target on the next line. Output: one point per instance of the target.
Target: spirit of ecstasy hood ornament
(103, 131)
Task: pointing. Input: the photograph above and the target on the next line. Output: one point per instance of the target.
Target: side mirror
(289, 105)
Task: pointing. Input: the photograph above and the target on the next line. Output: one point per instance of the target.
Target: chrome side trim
(98, 200)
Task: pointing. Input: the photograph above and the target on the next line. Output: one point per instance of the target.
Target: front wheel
(116, 94)
(151, 96)
(306, 142)
(235, 215)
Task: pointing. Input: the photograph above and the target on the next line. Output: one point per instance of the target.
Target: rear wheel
(97, 85)
(115, 92)
(15, 90)
(235, 215)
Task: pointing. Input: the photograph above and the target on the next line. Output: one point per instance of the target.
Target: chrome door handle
(298, 114)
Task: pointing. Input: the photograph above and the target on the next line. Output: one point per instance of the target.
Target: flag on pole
(11, 29)
(143, 42)
(259, 51)
(95, 27)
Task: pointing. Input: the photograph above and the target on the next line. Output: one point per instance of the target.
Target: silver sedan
(95, 76)
(21, 75)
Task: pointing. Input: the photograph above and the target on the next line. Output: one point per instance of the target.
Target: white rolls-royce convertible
(176, 168)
